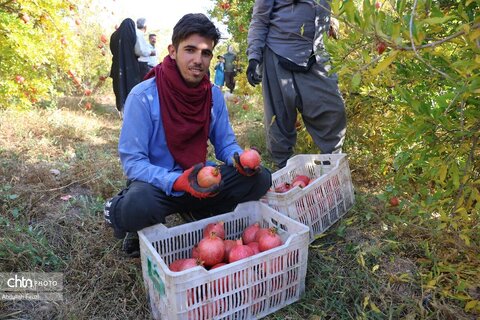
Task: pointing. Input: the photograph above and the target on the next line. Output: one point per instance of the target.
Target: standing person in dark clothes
(124, 71)
(230, 71)
(285, 37)
(169, 119)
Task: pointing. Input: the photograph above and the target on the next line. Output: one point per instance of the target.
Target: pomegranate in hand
(208, 176)
(250, 159)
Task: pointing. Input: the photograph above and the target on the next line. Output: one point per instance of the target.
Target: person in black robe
(124, 72)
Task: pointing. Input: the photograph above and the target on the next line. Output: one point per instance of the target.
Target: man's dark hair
(152, 35)
(194, 23)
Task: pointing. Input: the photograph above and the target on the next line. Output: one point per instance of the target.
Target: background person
(230, 68)
(153, 59)
(168, 121)
(220, 72)
(295, 75)
(125, 72)
(142, 48)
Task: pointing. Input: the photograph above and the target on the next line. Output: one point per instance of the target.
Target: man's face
(193, 58)
(153, 40)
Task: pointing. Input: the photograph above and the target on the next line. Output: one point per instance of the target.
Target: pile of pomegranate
(213, 251)
(299, 181)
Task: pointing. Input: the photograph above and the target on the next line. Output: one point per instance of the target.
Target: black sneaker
(131, 245)
(110, 219)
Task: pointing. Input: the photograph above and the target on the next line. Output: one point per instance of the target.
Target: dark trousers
(144, 68)
(230, 80)
(142, 205)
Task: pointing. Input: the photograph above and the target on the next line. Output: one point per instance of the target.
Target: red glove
(243, 170)
(188, 182)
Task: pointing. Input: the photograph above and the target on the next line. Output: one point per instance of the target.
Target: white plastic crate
(327, 197)
(246, 289)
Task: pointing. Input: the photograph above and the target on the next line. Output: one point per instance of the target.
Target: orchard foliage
(409, 72)
(42, 44)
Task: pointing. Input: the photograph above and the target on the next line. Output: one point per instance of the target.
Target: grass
(57, 167)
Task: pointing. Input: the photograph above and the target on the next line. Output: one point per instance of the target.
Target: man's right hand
(252, 76)
(188, 182)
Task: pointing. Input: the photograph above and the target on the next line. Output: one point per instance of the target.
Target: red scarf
(185, 113)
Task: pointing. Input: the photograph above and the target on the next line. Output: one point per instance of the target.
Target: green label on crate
(155, 277)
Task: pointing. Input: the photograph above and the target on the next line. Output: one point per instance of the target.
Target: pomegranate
(208, 176)
(240, 252)
(218, 265)
(283, 187)
(269, 240)
(211, 250)
(394, 201)
(217, 227)
(381, 47)
(248, 234)
(103, 38)
(195, 252)
(220, 285)
(229, 244)
(184, 264)
(255, 247)
(301, 180)
(250, 158)
(261, 232)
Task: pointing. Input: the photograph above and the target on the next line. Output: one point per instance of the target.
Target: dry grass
(49, 154)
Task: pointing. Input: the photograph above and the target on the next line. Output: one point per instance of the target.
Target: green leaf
(356, 80)
(401, 6)
(382, 65)
(436, 20)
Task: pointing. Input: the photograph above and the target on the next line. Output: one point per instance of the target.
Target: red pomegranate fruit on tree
(250, 159)
(217, 227)
(211, 250)
(208, 176)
